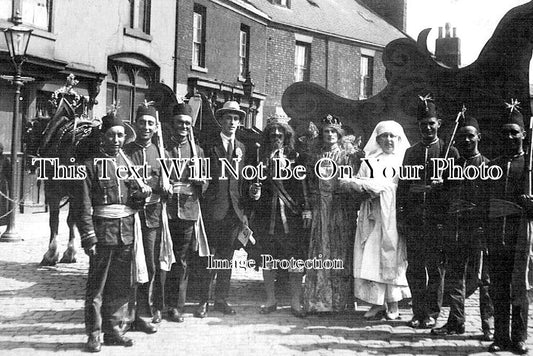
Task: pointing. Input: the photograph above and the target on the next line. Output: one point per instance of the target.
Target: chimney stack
(448, 48)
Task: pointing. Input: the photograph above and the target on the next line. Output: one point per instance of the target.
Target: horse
(70, 138)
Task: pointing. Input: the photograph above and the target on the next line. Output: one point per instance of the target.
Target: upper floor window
(286, 3)
(35, 13)
(127, 85)
(198, 36)
(367, 77)
(244, 50)
(302, 57)
(140, 15)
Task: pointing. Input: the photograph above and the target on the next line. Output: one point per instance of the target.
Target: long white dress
(380, 259)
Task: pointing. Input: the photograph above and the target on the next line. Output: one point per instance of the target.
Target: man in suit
(143, 151)
(421, 210)
(107, 229)
(223, 207)
(183, 210)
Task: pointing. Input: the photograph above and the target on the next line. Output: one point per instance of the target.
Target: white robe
(380, 259)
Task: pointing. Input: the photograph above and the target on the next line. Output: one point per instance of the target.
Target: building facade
(116, 48)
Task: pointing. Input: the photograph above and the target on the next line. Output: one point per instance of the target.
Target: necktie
(230, 149)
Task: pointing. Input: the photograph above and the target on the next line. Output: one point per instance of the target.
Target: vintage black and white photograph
(266, 177)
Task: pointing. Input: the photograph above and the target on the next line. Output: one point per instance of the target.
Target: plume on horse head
(67, 133)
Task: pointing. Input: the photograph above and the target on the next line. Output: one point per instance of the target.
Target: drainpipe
(176, 33)
(327, 63)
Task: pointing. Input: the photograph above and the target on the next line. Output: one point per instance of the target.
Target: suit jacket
(223, 195)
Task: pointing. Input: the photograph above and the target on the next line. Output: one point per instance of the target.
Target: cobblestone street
(42, 313)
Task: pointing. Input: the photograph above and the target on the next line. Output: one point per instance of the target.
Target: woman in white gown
(380, 259)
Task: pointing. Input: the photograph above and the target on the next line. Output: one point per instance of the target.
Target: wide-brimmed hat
(230, 106)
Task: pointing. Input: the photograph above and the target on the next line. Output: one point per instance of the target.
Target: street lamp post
(17, 39)
(248, 89)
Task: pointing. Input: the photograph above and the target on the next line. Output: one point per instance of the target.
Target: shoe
(224, 308)
(298, 313)
(145, 327)
(176, 315)
(448, 329)
(373, 312)
(519, 348)
(156, 319)
(428, 323)
(93, 344)
(201, 312)
(414, 323)
(498, 346)
(267, 310)
(393, 313)
(487, 335)
(115, 339)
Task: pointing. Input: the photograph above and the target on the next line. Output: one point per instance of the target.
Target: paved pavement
(42, 313)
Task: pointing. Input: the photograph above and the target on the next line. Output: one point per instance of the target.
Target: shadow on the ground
(61, 282)
(41, 345)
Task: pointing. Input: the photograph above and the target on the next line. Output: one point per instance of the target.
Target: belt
(113, 211)
(183, 188)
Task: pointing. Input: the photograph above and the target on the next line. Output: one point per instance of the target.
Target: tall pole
(11, 234)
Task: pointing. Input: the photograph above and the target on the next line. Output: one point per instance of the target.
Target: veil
(372, 148)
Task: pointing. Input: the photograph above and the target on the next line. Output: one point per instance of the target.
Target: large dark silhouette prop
(500, 73)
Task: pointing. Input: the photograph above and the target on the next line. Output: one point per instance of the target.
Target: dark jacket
(140, 155)
(184, 205)
(94, 192)
(224, 194)
(415, 208)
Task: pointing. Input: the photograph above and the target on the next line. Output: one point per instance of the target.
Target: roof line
(349, 39)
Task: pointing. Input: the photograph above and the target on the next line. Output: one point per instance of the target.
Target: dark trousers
(151, 293)
(425, 273)
(501, 271)
(222, 246)
(182, 232)
(108, 289)
(459, 255)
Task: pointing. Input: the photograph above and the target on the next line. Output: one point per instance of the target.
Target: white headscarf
(372, 147)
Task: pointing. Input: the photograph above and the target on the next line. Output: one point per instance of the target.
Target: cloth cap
(230, 106)
(512, 114)
(182, 109)
(110, 120)
(469, 121)
(146, 109)
(426, 108)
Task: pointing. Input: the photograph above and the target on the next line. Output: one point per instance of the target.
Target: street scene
(42, 314)
(266, 177)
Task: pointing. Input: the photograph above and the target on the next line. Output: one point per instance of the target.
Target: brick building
(335, 43)
(117, 48)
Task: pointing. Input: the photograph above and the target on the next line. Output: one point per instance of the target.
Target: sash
(139, 272)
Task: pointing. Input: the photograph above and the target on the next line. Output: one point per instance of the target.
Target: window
(35, 13)
(286, 3)
(6, 9)
(367, 77)
(244, 50)
(301, 62)
(127, 85)
(198, 36)
(140, 15)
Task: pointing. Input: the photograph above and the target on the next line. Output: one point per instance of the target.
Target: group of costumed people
(382, 228)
